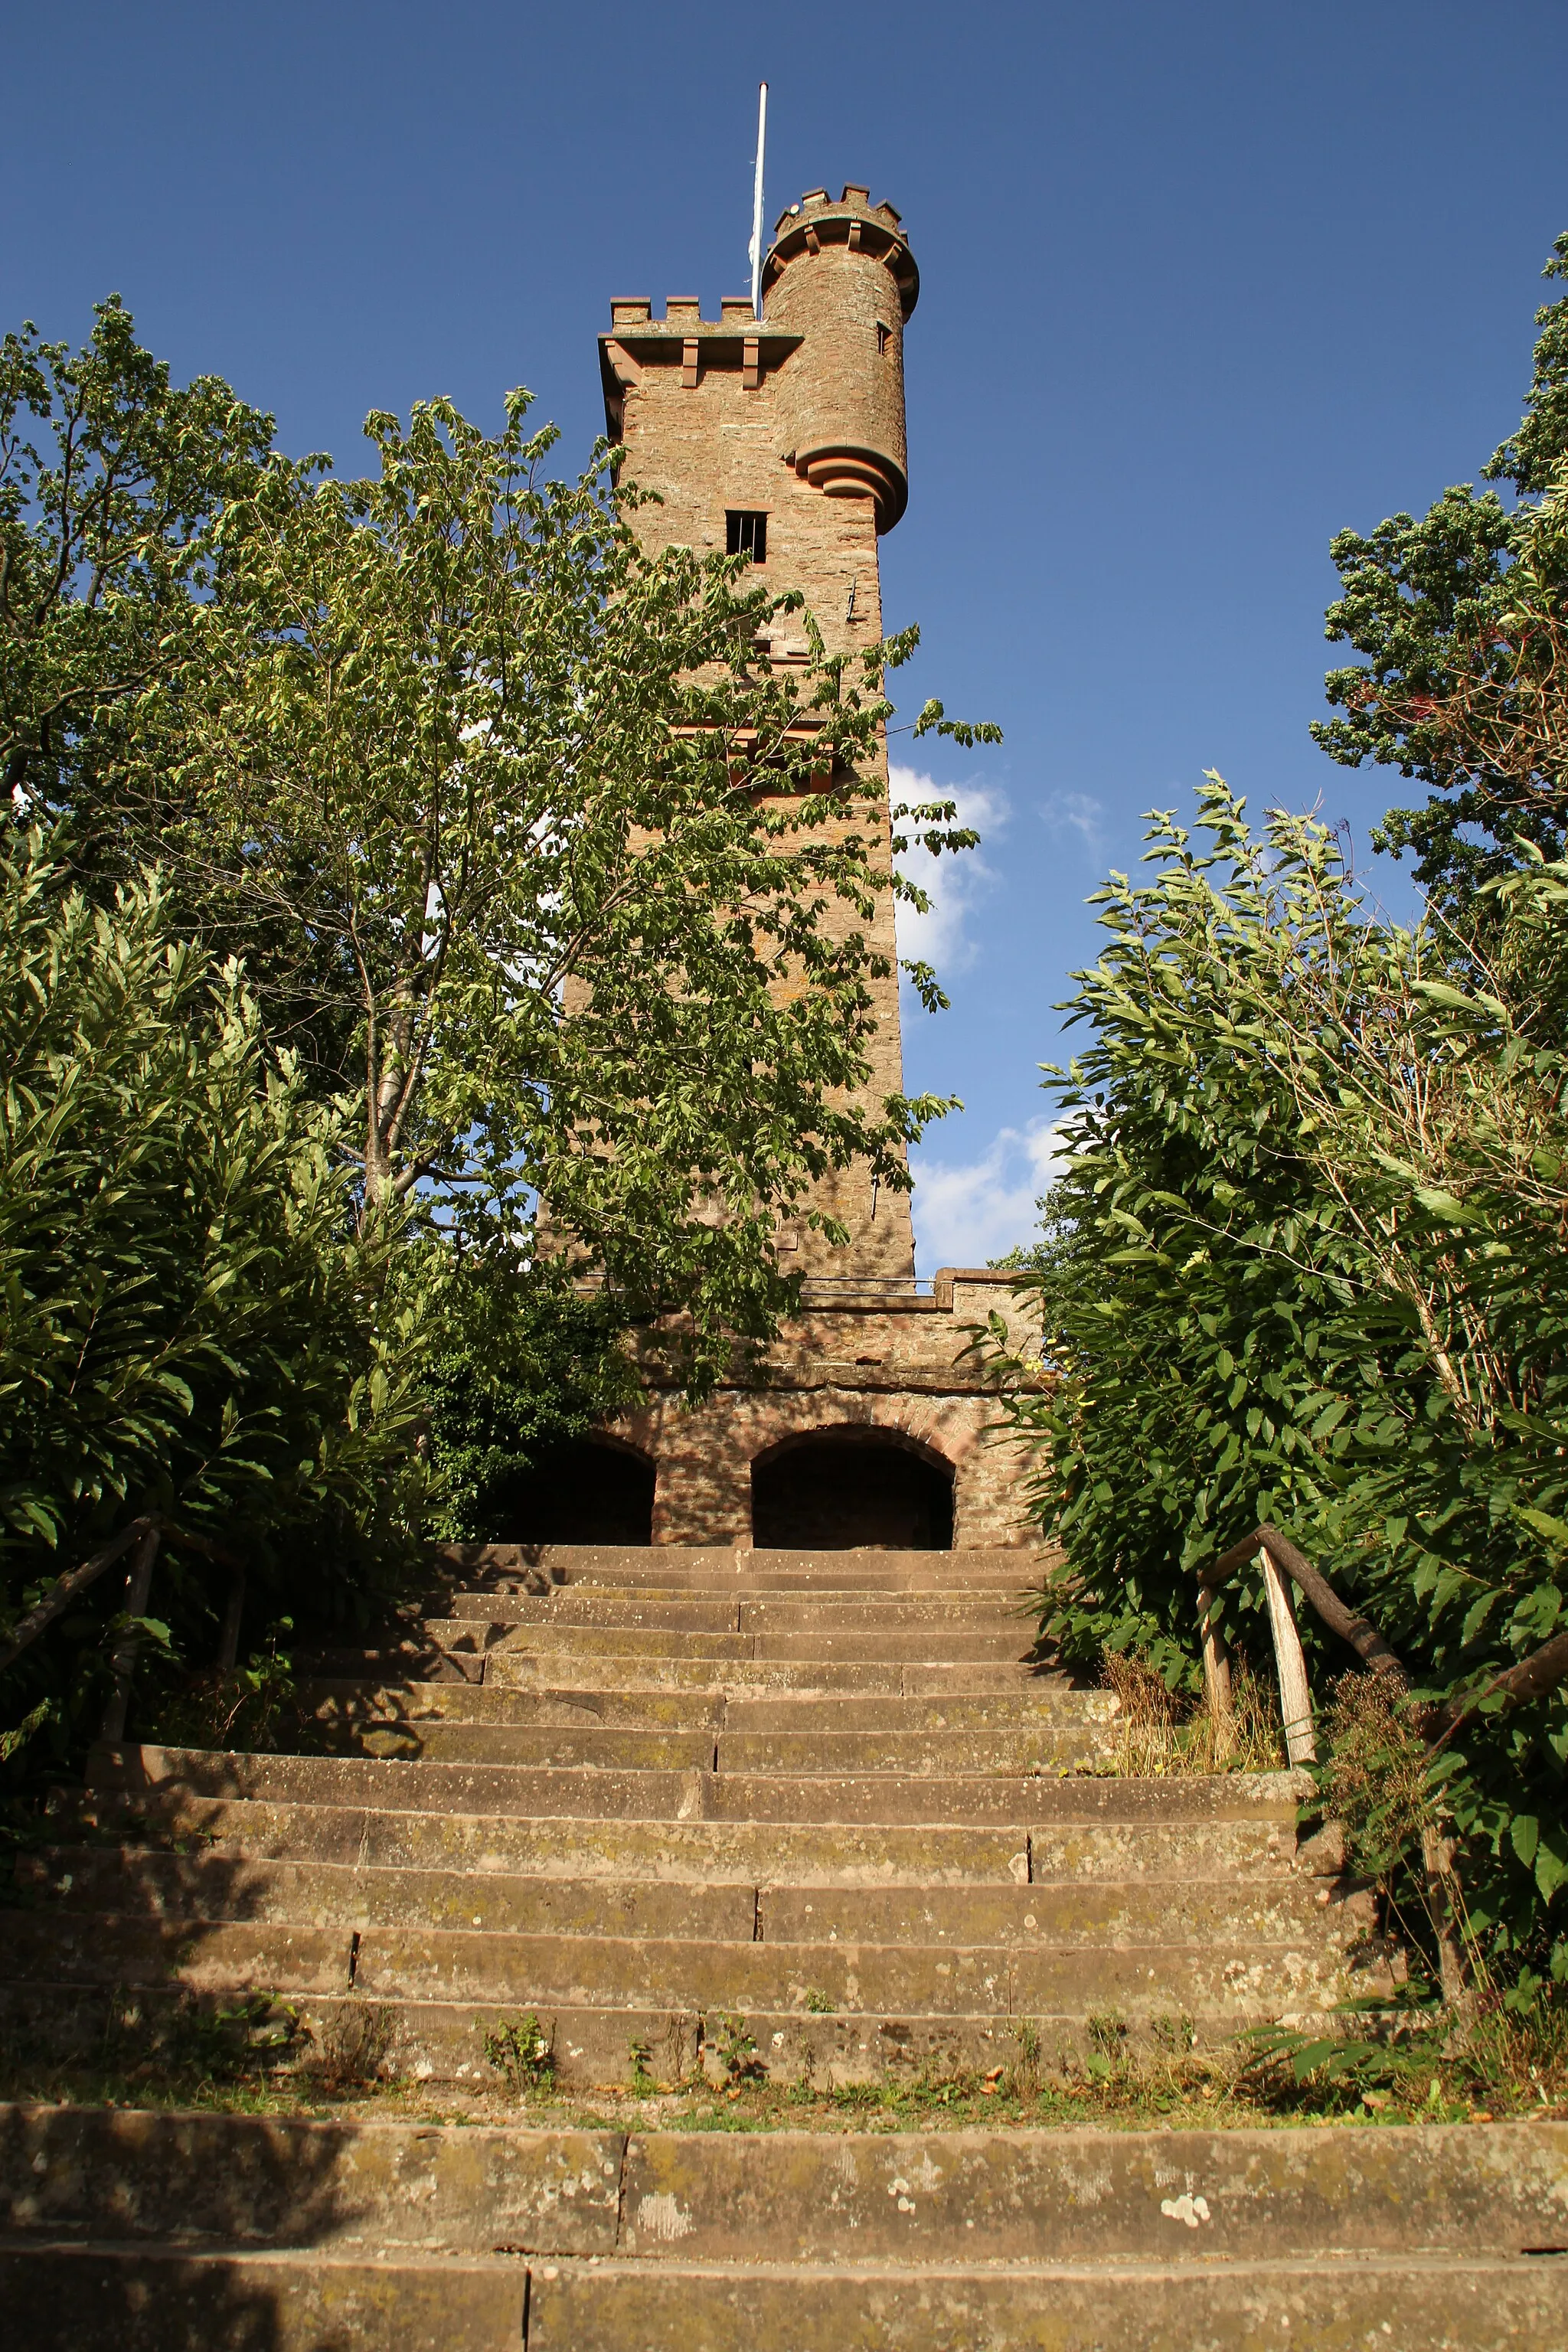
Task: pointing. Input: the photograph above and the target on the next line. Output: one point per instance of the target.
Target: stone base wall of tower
(895, 1370)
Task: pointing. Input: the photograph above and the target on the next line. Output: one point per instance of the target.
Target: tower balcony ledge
(841, 470)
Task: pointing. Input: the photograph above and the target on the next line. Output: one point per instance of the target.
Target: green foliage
(1461, 618)
(1305, 1264)
(110, 481)
(514, 829)
(737, 2052)
(258, 1707)
(519, 2048)
(1532, 454)
(598, 890)
(188, 1323)
(515, 1361)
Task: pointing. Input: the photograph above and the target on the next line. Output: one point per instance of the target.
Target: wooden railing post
(1436, 1722)
(138, 1585)
(228, 1642)
(1295, 1691)
(1217, 1662)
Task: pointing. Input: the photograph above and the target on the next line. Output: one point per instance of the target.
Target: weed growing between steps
(258, 1707)
(521, 2053)
(254, 2059)
(1157, 1732)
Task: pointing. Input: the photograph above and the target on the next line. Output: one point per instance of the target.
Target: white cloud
(1078, 812)
(955, 884)
(967, 1214)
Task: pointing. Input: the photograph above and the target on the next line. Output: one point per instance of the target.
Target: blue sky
(1201, 284)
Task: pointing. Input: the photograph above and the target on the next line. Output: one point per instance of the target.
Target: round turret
(842, 275)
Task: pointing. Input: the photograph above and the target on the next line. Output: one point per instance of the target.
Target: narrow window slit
(746, 533)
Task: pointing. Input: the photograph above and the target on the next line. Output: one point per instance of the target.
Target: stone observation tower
(783, 436)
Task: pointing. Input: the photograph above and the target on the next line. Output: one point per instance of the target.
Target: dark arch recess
(584, 1490)
(838, 1488)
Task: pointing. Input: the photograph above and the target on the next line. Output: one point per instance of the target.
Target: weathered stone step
(818, 1644)
(397, 1662)
(619, 2045)
(535, 1971)
(344, 1702)
(141, 2299)
(1046, 1701)
(589, 1640)
(576, 1605)
(283, 2180)
(881, 1981)
(774, 1852)
(1401, 2305)
(1087, 2195)
(675, 1563)
(95, 2297)
(1011, 2195)
(728, 1584)
(1139, 1911)
(1037, 1748)
(1050, 1699)
(332, 1894)
(509, 1667)
(455, 2041)
(615, 1748)
(597, 1793)
(320, 1893)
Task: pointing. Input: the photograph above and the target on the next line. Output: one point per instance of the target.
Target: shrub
(189, 1323)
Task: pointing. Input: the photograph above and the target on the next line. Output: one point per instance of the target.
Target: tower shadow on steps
(142, 2192)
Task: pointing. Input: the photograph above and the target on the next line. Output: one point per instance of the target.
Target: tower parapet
(842, 276)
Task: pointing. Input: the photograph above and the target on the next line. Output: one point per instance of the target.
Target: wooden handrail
(152, 1529)
(1359, 1632)
(61, 1594)
(1533, 1677)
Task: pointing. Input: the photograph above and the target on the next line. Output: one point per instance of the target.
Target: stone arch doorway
(835, 1489)
(582, 1490)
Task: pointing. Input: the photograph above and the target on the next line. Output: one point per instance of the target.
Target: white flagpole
(756, 247)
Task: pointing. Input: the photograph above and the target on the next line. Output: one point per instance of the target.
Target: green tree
(112, 480)
(516, 1359)
(1462, 619)
(1305, 1264)
(591, 882)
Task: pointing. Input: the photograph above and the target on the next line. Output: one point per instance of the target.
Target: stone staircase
(632, 1816)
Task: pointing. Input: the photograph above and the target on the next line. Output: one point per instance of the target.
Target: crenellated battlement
(853, 224)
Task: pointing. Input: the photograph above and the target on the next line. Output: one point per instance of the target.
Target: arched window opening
(584, 1490)
(839, 1489)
